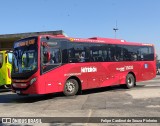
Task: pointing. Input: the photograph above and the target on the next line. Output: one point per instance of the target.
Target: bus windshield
(25, 57)
(10, 58)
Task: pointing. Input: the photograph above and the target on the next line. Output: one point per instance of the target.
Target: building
(7, 40)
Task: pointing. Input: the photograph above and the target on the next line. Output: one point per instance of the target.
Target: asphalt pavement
(140, 101)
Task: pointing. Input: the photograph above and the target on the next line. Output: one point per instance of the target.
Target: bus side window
(45, 57)
(116, 58)
(55, 56)
(81, 57)
(134, 57)
(109, 55)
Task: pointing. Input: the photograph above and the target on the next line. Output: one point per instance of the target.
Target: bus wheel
(130, 81)
(71, 87)
(7, 86)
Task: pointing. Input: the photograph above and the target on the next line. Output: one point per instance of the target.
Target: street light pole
(115, 29)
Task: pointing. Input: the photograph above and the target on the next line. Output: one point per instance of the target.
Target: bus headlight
(32, 81)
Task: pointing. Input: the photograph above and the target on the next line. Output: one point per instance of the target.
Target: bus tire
(71, 87)
(7, 86)
(130, 81)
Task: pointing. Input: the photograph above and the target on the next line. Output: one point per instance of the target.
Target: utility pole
(116, 29)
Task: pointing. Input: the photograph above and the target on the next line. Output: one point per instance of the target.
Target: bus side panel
(94, 75)
(147, 71)
(39, 86)
(3, 75)
(89, 74)
(75, 70)
(52, 80)
(112, 75)
(8, 73)
(86, 73)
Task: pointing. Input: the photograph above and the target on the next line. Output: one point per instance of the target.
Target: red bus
(55, 63)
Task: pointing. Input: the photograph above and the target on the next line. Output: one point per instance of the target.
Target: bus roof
(99, 40)
(6, 40)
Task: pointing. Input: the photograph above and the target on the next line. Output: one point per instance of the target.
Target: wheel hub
(130, 82)
(70, 86)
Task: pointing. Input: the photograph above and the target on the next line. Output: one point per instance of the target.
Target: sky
(137, 20)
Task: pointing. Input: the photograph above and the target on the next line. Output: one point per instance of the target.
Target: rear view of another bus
(5, 68)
